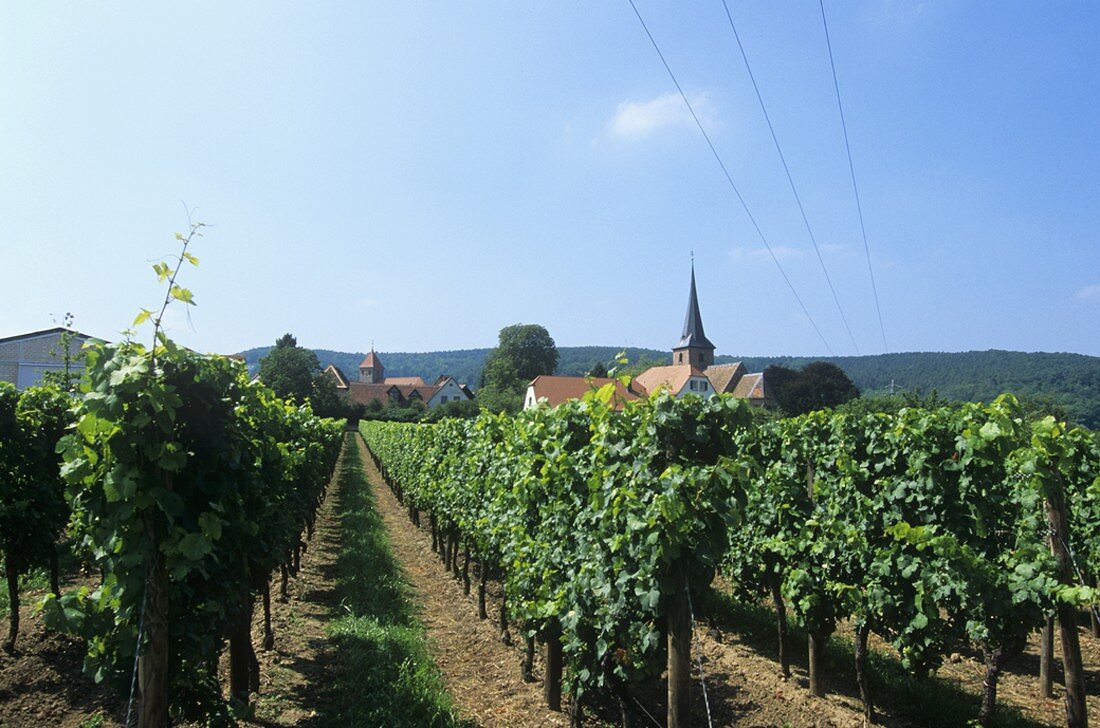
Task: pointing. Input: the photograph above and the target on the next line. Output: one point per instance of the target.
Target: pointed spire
(693, 336)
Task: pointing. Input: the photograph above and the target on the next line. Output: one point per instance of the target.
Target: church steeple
(694, 347)
(371, 370)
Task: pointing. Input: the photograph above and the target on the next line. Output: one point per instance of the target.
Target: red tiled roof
(405, 381)
(372, 360)
(556, 390)
(673, 377)
(751, 387)
(365, 393)
(724, 377)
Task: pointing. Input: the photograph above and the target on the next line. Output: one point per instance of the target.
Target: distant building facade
(374, 386)
(25, 358)
(692, 371)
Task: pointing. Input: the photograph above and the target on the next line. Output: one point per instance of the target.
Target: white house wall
(449, 392)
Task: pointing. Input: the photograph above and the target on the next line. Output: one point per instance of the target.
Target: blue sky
(422, 174)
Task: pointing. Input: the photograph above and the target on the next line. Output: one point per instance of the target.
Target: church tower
(371, 370)
(694, 347)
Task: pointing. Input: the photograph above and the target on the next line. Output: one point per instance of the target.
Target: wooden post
(153, 662)
(238, 656)
(817, 641)
(13, 599)
(863, 631)
(816, 652)
(781, 620)
(1076, 711)
(551, 683)
(679, 656)
(505, 635)
(1046, 658)
(527, 667)
(482, 612)
(466, 570)
(269, 635)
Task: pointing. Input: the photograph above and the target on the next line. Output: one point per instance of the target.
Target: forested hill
(1071, 380)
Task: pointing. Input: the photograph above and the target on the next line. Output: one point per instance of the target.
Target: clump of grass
(384, 675)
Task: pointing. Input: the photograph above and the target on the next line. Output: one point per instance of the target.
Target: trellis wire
(137, 652)
(698, 653)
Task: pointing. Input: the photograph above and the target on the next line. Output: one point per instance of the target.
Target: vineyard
(930, 529)
(185, 493)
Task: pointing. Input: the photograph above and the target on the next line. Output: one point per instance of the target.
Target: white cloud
(1088, 293)
(782, 252)
(638, 119)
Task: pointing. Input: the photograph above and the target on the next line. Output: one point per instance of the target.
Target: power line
(729, 178)
(852, 170)
(790, 179)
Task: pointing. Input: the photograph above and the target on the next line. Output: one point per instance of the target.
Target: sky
(418, 175)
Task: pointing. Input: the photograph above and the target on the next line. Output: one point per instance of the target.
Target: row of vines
(929, 528)
(184, 487)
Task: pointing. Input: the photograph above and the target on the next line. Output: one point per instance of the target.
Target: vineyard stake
(1046, 659)
(551, 684)
(781, 623)
(153, 663)
(679, 655)
(1076, 711)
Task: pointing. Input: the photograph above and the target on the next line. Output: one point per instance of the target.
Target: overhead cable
(790, 179)
(729, 179)
(852, 170)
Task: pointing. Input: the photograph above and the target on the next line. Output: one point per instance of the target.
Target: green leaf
(193, 260)
(182, 294)
(211, 525)
(194, 546)
(142, 317)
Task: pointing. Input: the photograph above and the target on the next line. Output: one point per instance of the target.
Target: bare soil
(43, 682)
(293, 673)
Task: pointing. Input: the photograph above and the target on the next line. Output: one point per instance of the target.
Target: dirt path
(482, 675)
(293, 674)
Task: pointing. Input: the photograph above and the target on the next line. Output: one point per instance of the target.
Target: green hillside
(1070, 380)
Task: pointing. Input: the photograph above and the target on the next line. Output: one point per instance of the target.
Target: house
(555, 390)
(25, 358)
(692, 371)
(679, 379)
(374, 386)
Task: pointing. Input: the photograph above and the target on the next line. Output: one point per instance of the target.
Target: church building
(692, 371)
(374, 386)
